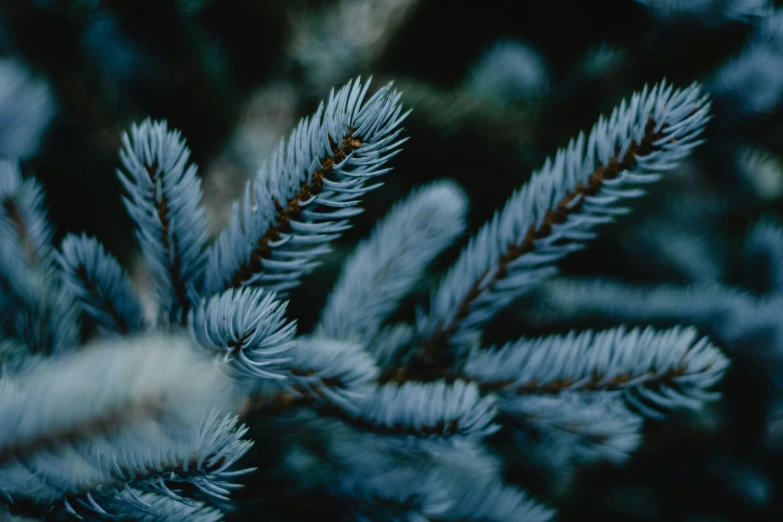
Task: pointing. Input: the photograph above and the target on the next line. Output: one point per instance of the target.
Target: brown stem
(106, 304)
(445, 428)
(239, 343)
(596, 382)
(288, 401)
(175, 269)
(301, 396)
(293, 207)
(15, 215)
(310, 397)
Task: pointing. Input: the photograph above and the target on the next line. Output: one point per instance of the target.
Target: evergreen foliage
(146, 426)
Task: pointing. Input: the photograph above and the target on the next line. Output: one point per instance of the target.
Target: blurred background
(495, 87)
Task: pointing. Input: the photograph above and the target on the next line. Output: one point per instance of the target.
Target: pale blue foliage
(15, 357)
(22, 214)
(575, 427)
(248, 326)
(488, 276)
(709, 12)
(100, 284)
(761, 171)
(601, 59)
(42, 316)
(163, 193)
(26, 107)
(746, 324)
(729, 314)
(752, 82)
(423, 495)
(485, 500)
(770, 29)
(510, 71)
(390, 343)
(685, 252)
(434, 409)
(384, 267)
(279, 230)
(737, 320)
(330, 370)
(130, 429)
(160, 508)
(653, 369)
(151, 422)
(45, 316)
(764, 256)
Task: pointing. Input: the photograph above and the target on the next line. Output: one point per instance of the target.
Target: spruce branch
(138, 506)
(574, 428)
(429, 410)
(147, 416)
(586, 184)
(22, 214)
(412, 493)
(710, 14)
(15, 357)
(732, 317)
(303, 197)
(663, 368)
(392, 418)
(329, 371)
(248, 326)
(390, 342)
(34, 307)
(326, 374)
(383, 267)
(100, 284)
(26, 108)
(163, 193)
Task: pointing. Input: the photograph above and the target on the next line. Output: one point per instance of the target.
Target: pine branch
(35, 309)
(749, 85)
(390, 342)
(152, 421)
(736, 320)
(326, 374)
(731, 317)
(425, 410)
(710, 14)
(248, 326)
(555, 214)
(281, 226)
(163, 195)
(574, 428)
(151, 507)
(23, 215)
(408, 493)
(328, 371)
(100, 284)
(15, 357)
(663, 368)
(382, 269)
(399, 414)
(42, 315)
(26, 107)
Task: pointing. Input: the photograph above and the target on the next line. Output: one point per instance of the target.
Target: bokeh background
(495, 87)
